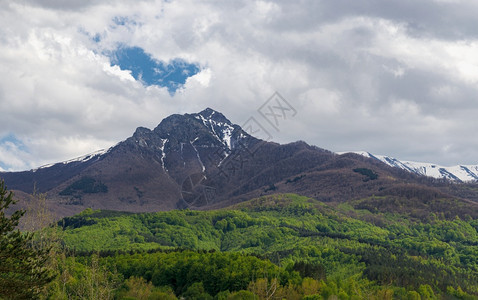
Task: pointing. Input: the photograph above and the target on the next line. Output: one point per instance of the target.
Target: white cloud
(203, 78)
(366, 69)
(115, 70)
(16, 157)
(322, 101)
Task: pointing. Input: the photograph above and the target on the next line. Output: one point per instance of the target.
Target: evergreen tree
(23, 274)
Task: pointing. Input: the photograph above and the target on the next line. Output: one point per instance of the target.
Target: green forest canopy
(350, 249)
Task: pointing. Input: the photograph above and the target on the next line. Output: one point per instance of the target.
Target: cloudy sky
(395, 77)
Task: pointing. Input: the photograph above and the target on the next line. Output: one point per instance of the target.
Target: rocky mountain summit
(203, 161)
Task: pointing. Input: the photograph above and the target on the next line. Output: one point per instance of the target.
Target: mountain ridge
(458, 173)
(204, 161)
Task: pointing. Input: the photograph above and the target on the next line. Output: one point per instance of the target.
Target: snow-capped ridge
(459, 173)
(93, 155)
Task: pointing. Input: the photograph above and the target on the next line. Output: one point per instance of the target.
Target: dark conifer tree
(22, 268)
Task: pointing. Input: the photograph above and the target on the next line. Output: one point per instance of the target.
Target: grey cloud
(354, 70)
(441, 19)
(59, 4)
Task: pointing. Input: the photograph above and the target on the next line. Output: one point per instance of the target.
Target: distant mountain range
(460, 173)
(203, 161)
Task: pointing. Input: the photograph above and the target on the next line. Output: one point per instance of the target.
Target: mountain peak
(203, 160)
(223, 129)
(211, 114)
(208, 112)
(141, 131)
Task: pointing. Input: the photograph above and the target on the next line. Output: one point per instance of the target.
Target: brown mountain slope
(203, 161)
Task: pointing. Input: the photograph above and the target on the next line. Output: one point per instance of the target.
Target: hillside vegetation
(274, 247)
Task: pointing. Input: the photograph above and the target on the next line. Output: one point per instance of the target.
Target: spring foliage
(287, 245)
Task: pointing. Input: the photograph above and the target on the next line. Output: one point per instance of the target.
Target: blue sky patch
(124, 21)
(150, 71)
(11, 138)
(6, 142)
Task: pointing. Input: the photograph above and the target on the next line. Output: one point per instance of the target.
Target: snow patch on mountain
(221, 130)
(163, 153)
(199, 157)
(460, 173)
(94, 155)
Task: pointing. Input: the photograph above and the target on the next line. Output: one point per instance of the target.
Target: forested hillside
(279, 246)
